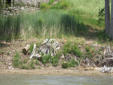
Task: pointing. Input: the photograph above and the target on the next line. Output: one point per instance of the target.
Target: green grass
(70, 63)
(54, 60)
(53, 22)
(46, 59)
(16, 60)
(72, 48)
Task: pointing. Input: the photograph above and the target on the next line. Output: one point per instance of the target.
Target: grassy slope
(88, 10)
(56, 22)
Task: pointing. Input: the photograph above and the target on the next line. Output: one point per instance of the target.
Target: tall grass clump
(46, 59)
(53, 22)
(45, 24)
(16, 60)
(54, 60)
(9, 27)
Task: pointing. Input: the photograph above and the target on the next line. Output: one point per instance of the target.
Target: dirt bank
(54, 71)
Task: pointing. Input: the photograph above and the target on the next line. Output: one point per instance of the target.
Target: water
(19, 79)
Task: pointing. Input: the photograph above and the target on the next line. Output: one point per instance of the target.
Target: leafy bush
(62, 4)
(67, 48)
(16, 60)
(76, 51)
(51, 2)
(50, 59)
(44, 6)
(31, 64)
(36, 62)
(24, 66)
(103, 36)
(90, 51)
(70, 63)
(72, 49)
(28, 65)
(46, 59)
(65, 65)
(54, 60)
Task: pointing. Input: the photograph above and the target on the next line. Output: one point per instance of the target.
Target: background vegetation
(67, 17)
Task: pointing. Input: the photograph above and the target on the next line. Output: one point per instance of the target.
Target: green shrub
(76, 51)
(54, 60)
(50, 59)
(36, 62)
(62, 4)
(51, 2)
(16, 60)
(46, 59)
(44, 6)
(67, 48)
(70, 63)
(72, 49)
(25, 60)
(24, 66)
(31, 64)
(73, 63)
(103, 36)
(65, 65)
(90, 51)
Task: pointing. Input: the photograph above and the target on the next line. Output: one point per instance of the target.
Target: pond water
(20, 79)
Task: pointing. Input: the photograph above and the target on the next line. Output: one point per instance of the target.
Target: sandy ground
(53, 71)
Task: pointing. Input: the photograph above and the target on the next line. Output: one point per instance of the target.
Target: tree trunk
(107, 17)
(111, 28)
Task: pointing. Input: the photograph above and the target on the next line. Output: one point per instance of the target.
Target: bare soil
(53, 71)
(9, 49)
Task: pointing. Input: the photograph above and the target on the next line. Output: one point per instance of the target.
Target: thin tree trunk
(107, 17)
(111, 28)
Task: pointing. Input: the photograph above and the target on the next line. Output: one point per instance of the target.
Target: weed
(31, 64)
(44, 6)
(24, 66)
(73, 63)
(25, 60)
(72, 49)
(64, 65)
(90, 51)
(54, 60)
(51, 2)
(46, 59)
(31, 48)
(103, 36)
(36, 62)
(16, 60)
(62, 4)
(70, 63)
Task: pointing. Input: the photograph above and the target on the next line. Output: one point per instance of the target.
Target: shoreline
(48, 71)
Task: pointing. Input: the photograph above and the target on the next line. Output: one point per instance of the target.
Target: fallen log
(26, 49)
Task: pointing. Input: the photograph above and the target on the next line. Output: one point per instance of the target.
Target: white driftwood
(106, 69)
(33, 52)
